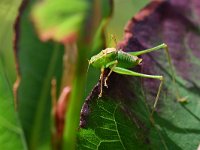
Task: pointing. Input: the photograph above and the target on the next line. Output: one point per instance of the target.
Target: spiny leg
(113, 64)
(132, 73)
(165, 47)
(178, 97)
(101, 84)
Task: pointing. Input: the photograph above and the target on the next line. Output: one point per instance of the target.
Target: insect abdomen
(126, 60)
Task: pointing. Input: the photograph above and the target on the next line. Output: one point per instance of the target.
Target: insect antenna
(113, 37)
(88, 66)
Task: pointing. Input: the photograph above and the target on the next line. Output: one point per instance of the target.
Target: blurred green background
(123, 11)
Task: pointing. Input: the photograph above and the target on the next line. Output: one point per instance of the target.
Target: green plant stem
(76, 101)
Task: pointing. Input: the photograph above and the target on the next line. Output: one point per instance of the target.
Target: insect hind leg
(165, 47)
(132, 73)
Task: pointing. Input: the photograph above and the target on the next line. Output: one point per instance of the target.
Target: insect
(120, 62)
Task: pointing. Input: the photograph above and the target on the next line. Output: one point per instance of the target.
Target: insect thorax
(104, 57)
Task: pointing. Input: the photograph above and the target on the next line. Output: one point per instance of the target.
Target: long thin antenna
(113, 37)
(88, 66)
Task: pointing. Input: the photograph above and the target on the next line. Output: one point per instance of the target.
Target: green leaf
(12, 136)
(116, 122)
(121, 118)
(59, 20)
(39, 63)
(8, 13)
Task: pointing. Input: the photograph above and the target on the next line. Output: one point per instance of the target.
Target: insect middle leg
(132, 73)
(111, 65)
(165, 47)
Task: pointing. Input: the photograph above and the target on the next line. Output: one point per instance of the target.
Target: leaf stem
(76, 101)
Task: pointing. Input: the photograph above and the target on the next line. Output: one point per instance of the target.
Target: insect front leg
(132, 73)
(101, 84)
